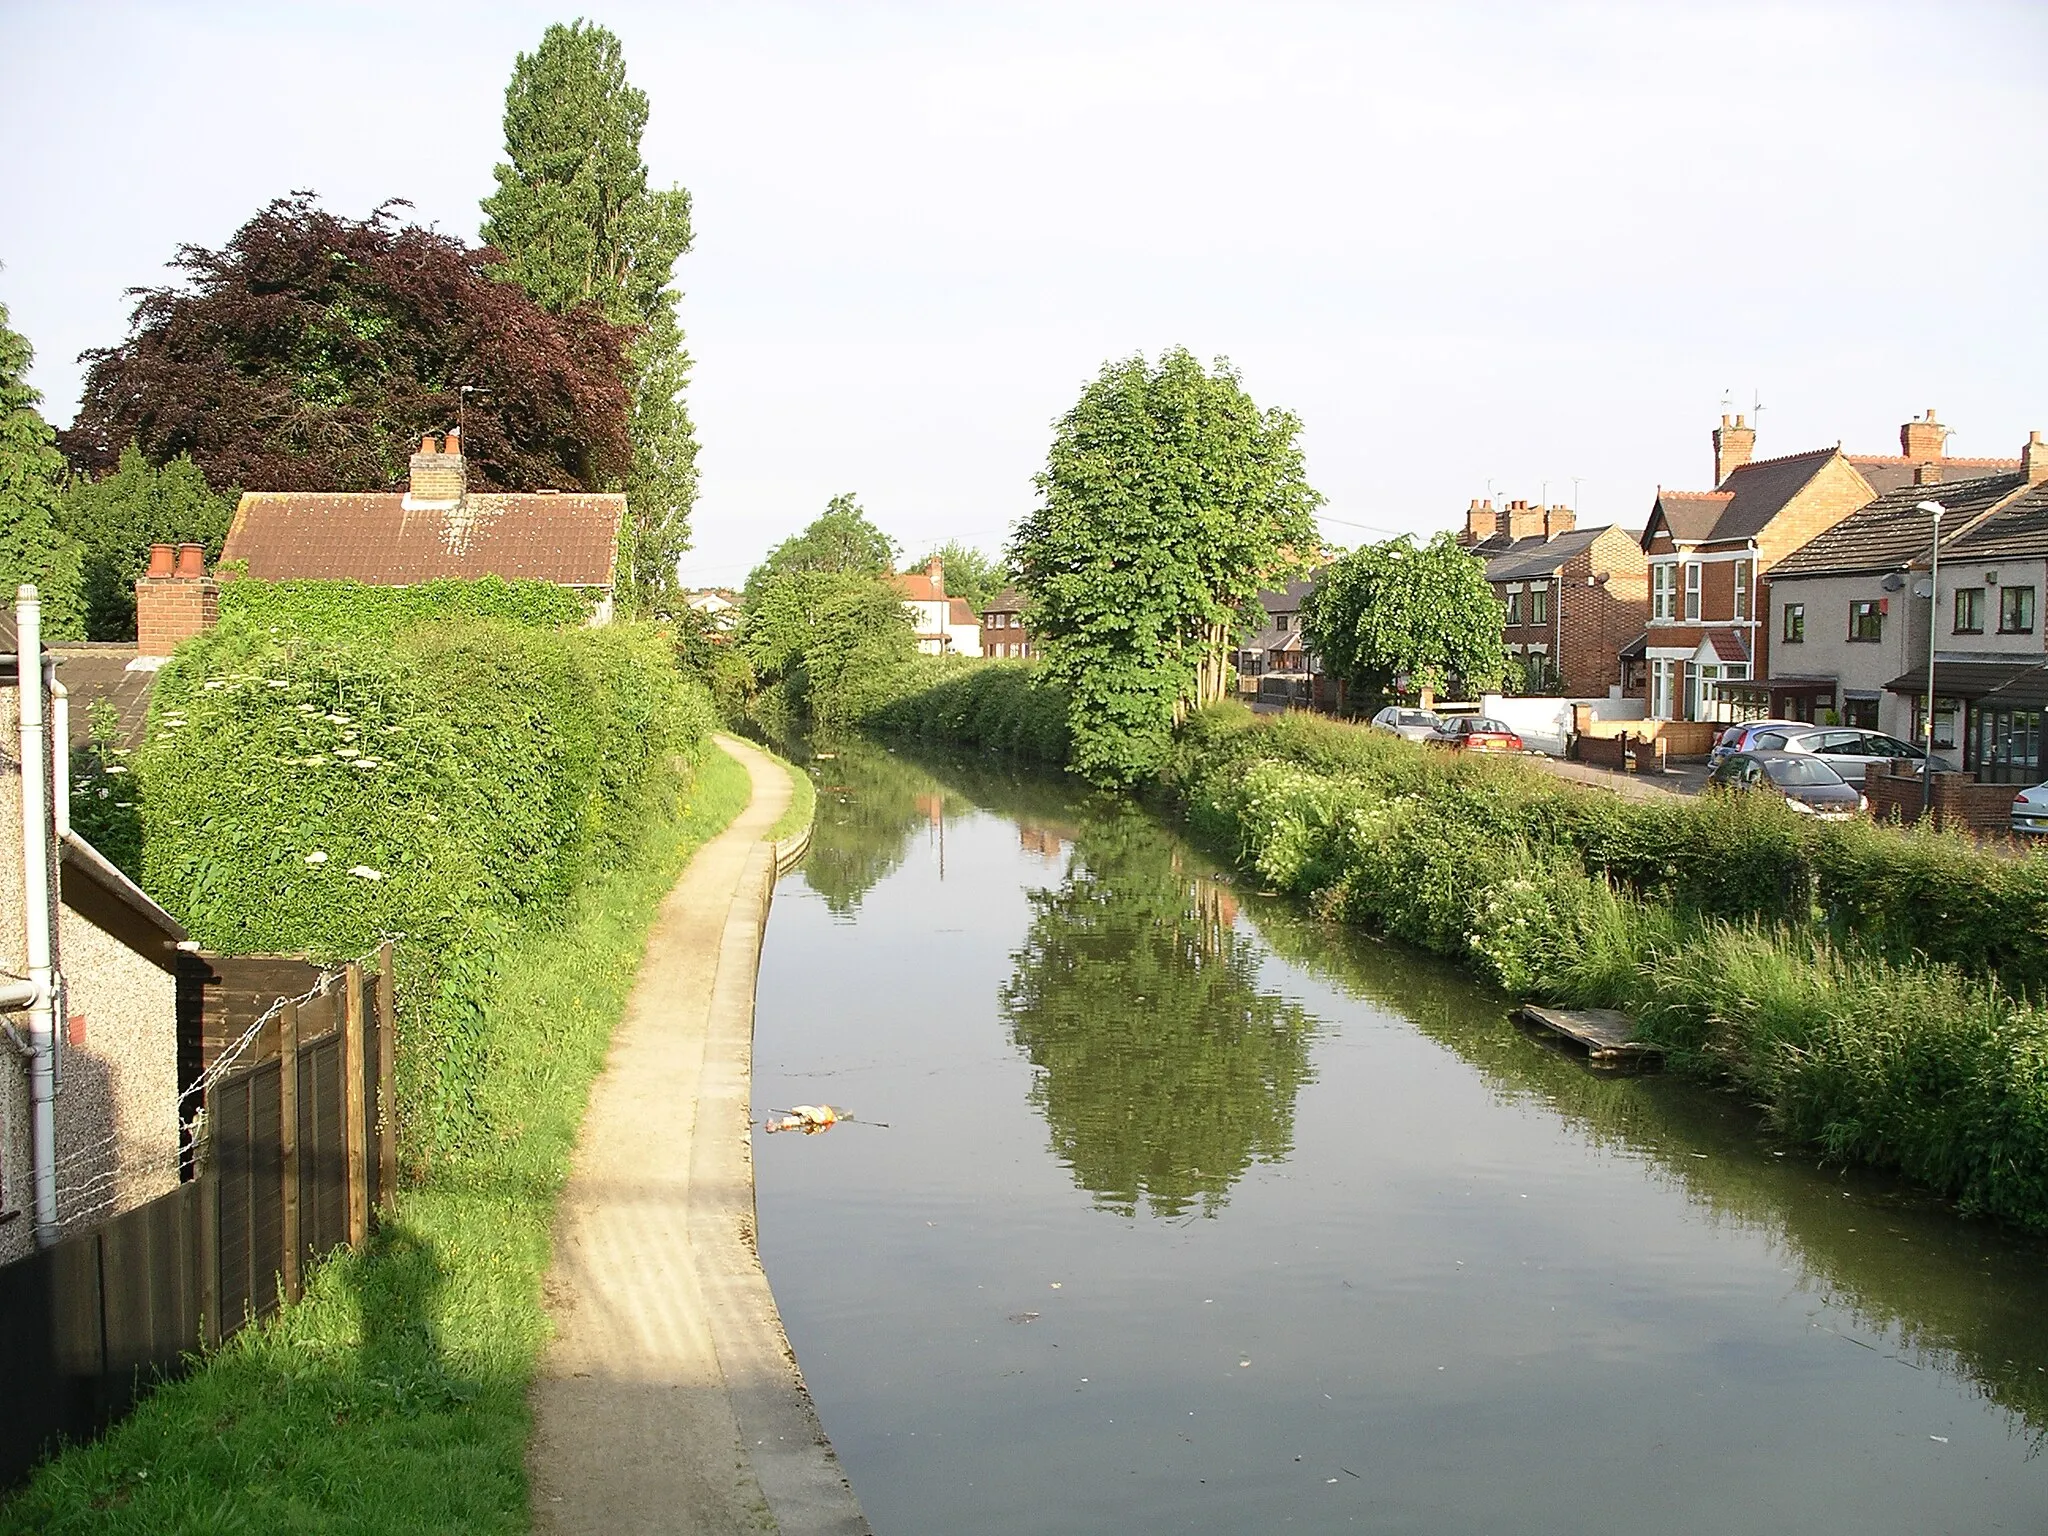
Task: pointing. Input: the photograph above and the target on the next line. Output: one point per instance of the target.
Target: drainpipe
(60, 750)
(35, 889)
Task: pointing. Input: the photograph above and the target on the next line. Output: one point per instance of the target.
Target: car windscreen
(1417, 717)
(1795, 771)
(1493, 726)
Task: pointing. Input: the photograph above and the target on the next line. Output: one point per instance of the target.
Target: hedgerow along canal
(1192, 1214)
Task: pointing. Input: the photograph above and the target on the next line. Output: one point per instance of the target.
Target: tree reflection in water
(1164, 1070)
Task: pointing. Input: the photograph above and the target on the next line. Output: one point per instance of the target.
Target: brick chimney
(174, 599)
(1558, 520)
(438, 478)
(1734, 446)
(1927, 474)
(1481, 522)
(1523, 520)
(2034, 459)
(1921, 441)
(935, 568)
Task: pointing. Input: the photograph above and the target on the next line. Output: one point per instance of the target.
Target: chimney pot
(161, 557)
(454, 442)
(191, 561)
(430, 444)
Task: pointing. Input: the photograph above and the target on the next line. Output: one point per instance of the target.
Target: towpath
(669, 1399)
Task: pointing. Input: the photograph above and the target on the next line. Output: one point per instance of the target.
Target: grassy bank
(393, 1397)
(1878, 993)
(803, 801)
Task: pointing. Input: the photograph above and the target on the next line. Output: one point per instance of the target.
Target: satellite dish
(1894, 582)
(1923, 589)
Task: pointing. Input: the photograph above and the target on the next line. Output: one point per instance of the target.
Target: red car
(1474, 734)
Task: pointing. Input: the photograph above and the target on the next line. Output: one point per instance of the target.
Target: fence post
(288, 1140)
(208, 1180)
(387, 1080)
(353, 1133)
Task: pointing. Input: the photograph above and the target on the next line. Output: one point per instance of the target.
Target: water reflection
(1164, 1069)
(870, 805)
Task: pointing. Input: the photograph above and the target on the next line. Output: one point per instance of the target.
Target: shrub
(306, 609)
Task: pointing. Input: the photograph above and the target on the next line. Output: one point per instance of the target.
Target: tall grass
(393, 1396)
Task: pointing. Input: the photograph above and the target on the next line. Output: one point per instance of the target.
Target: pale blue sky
(1469, 245)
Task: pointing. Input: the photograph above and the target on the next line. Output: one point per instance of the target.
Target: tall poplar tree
(578, 223)
(33, 548)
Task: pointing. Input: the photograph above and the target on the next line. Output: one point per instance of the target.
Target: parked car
(1806, 782)
(1845, 749)
(1408, 724)
(2030, 811)
(1737, 737)
(1474, 733)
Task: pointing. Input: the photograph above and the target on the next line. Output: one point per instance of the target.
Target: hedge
(306, 789)
(352, 608)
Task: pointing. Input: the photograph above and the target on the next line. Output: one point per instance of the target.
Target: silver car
(2030, 811)
(1408, 724)
(1848, 750)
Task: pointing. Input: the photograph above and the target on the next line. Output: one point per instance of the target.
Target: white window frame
(1664, 590)
(1692, 591)
(1742, 578)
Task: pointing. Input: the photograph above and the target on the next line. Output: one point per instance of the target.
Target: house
(436, 528)
(719, 605)
(1276, 649)
(946, 626)
(1003, 631)
(1844, 617)
(1571, 597)
(89, 1122)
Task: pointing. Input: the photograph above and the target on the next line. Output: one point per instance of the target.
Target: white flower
(316, 761)
(214, 682)
(278, 682)
(339, 719)
(316, 857)
(364, 762)
(115, 768)
(364, 872)
(309, 709)
(346, 752)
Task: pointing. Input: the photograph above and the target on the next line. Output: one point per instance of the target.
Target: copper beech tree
(312, 351)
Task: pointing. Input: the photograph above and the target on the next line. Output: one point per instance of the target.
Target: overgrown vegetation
(116, 519)
(310, 609)
(393, 1397)
(33, 548)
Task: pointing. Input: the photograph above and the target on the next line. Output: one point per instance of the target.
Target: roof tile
(570, 538)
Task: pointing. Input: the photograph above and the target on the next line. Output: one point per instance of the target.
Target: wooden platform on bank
(1606, 1035)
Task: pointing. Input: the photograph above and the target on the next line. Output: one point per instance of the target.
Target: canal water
(1188, 1213)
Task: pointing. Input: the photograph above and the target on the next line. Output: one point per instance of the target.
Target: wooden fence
(296, 1148)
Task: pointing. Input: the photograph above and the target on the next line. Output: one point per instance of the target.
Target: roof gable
(2016, 530)
(382, 540)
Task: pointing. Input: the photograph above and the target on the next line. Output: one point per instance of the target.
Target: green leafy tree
(840, 539)
(970, 574)
(579, 224)
(1168, 500)
(822, 633)
(1398, 616)
(1165, 1069)
(33, 548)
(117, 519)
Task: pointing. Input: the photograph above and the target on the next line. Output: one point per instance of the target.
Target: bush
(306, 609)
(316, 791)
(1000, 706)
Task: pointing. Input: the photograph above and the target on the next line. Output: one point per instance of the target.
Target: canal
(1185, 1212)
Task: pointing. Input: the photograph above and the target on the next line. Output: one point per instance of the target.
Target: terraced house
(1711, 555)
(1571, 596)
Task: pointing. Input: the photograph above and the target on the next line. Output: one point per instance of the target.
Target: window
(1539, 603)
(1663, 591)
(2008, 745)
(1866, 620)
(1969, 610)
(1795, 623)
(1661, 688)
(2015, 610)
(1742, 589)
(1514, 608)
(1692, 590)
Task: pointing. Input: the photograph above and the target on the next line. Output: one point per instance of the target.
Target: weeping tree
(578, 223)
(1398, 615)
(1168, 500)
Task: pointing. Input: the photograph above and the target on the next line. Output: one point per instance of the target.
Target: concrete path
(669, 1400)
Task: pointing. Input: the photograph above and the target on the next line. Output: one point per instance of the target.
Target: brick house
(1003, 631)
(437, 528)
(1711, 554)
(1571, 597)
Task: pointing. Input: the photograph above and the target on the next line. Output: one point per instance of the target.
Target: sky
(1512, 249)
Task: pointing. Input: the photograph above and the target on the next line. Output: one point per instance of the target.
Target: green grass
(803, 802)
(392, 1398)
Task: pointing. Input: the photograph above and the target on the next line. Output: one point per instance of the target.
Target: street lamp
(1934, 510)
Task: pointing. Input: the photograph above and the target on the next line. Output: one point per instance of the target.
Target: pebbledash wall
(117, 1101)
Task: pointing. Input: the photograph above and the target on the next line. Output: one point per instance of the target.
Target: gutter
(43, 982)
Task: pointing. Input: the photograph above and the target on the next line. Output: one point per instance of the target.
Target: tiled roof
(1009, 600)
(917, 587)
(1287, 599)
(1729, 644)
(375, 538)
(94, 673)
(1691, 515)
(960, 611)
(1890, 471)
(2021, 683)
(1761, 491)
(1540, 556)
(1892, 532)
(2017, 530)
